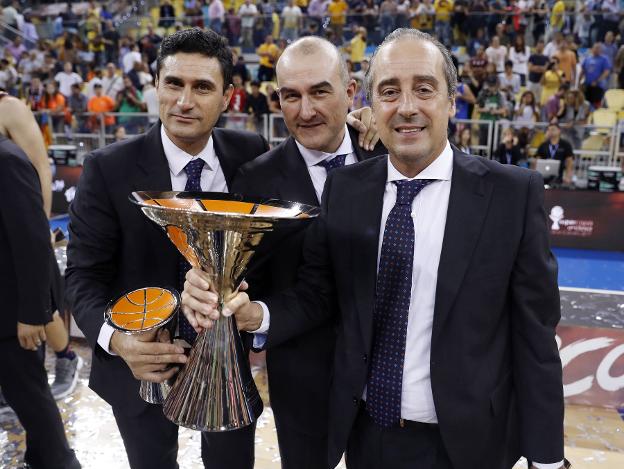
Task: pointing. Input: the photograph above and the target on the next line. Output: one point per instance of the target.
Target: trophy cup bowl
(139, 312)
(218, 233)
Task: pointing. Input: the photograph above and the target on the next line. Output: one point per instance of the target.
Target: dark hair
(196, 41)
(508, 63)
(255, 83)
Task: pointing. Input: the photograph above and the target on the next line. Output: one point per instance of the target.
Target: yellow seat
(615, 99)
(593, 143)
(537, 139)
(604, 118)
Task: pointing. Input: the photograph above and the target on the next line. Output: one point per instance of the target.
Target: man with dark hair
(556, 148)
(114, 248)
(445, 354)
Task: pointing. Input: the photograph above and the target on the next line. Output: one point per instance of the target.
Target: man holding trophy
(445, 353)
(114, 249)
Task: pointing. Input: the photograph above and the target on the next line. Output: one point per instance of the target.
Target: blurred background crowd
(88, 68)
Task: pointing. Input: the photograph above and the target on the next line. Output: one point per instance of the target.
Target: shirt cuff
(555, 465)
(104, 338)
(266, 319)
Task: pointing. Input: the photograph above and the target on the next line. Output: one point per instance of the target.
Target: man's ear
(227, 96)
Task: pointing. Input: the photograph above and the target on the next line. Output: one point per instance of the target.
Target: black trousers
(299, 450)
(414, 446)
(25, 387)
(151, 441)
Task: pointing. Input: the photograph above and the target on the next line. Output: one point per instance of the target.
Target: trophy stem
(215, 390)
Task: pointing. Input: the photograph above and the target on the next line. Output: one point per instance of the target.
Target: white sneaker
(66, 377)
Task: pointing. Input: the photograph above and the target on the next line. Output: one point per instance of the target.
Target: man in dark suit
(315, 102)
(114, 248)
(446, 354)
(25, 258)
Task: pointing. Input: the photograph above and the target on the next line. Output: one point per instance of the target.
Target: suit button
(356, 401)
(365, 358)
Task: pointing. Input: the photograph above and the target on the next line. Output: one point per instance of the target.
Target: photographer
(130, 100)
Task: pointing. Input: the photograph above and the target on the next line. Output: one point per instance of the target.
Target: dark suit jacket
(25, 249)
(495, 368)
(304, 362)
(114, 248)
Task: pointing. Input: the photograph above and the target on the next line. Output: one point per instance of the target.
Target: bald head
(316, 50)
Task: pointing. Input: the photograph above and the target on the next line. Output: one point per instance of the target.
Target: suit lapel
(295, 175)
(366, 207)
(468, 206)
(153, 166)
(222, 150)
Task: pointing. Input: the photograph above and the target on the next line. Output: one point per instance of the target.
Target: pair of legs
(152, 441)
(25, 387)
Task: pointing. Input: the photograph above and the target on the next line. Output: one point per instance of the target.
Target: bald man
(315, 102)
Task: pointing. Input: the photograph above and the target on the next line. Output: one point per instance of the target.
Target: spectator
(387, 14)
(292, 21)
(554, 45)
(551, 81)
(8, 76)
(16, 48)
(130, 58)
(426, 13)
(34, 93)
(509, 82)
(216, 15)
(112, 83)
(240, 68)
(443, 11)
(70, 20)
(477, 65)
(98, 49)
(464, 142)
(257, 105)
(573, 116)
(557, 17)
(497, 54)
(238, 101)
(268, 53)
(595, 71)
(519, 55)
(555, 103)
(357, 48)
(232, 26)
(77, 106)
(337, 10)
(508, 151)
(611, 19)
(609, 48)
(464, 99)
(370, 15)
(135, 77)
(67, 78)
(130, 100)
(273, 97)
(567, 62)
(150, 99)
(360, 99)
(10, 13)
(556, 148)
(28, 66)
(583, 25)
(526, 111)
(167, 15)
(120, 133)
(57, 26)
(247, 13)
(538, 64)
(402, 14)
(491, 105)
(111, 37)
(101, 105)
(148, 44)
(53, 102)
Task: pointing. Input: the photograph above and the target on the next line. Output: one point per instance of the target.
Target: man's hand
(149, 356)
(30, 337)
(363, 121)
(199, 304)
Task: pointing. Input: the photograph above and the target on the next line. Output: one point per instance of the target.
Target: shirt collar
(314, 157)
(440, 169)
(178, 158)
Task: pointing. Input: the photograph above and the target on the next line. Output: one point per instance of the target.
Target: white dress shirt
(212, 179)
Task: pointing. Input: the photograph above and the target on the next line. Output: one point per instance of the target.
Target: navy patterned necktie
(392, 302)
(193, 171)
(337, 161)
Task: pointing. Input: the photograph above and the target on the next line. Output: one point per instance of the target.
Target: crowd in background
(522, 61)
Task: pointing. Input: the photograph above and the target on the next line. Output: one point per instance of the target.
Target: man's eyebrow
(200, 81)
(387, 82)
(316, 86)
(426, 79)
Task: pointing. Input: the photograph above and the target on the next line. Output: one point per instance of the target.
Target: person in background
(167, 15)
(509, 82)
(101, 105)
(551, 80)
(497, 54)
(357, 48)
(292, 21)
(247, 13)
(519, 55)
(77, 106)
(464, 142)
(538, 64)
(526, 111)
(130, 100)
(573, 116)
(556, 148)
(67, 78)
(567, 62)
(268, 53)
(337, 11)
(54, 103)
(508, 151)
(595, 71)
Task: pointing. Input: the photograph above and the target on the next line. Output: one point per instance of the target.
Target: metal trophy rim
(310, 211)
(108, 311)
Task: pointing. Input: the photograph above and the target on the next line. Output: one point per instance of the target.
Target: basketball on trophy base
(218, 233)
(140, 312)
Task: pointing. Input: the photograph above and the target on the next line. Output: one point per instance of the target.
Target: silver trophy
(218, 233)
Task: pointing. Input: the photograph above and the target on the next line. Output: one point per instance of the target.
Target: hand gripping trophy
(218, 233)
